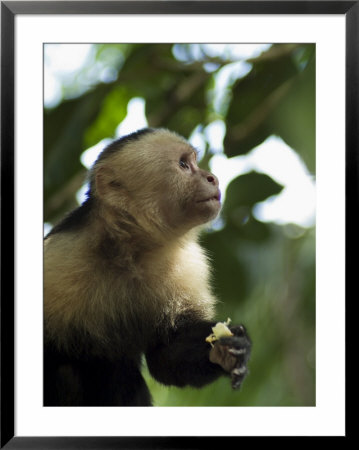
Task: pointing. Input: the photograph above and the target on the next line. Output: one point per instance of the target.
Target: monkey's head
(152, 175)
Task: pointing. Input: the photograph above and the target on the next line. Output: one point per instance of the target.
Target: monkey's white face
(157, 177)
(193, 195)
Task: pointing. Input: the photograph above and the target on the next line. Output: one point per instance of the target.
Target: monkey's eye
(183, 164)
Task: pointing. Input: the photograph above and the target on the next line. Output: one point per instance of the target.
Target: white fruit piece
(219, 330)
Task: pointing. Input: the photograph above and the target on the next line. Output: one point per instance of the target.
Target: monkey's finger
(239, 330)
(237, 351)
(237, 375)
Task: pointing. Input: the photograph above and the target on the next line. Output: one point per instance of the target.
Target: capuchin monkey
(124, 277)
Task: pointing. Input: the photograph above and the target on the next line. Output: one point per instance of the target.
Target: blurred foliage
(264, 273)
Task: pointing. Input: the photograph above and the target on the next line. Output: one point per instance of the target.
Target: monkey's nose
(212, 179)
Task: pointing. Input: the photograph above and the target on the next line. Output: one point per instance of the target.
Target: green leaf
(247, 228)
(113, 111)
(229, 274)
(276, 98)
(64, 129)
(294, 117)
(249, 189)
(253, 99)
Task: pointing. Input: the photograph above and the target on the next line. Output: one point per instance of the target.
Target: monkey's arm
(185, 358)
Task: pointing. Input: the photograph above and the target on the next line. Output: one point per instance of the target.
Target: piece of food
(219, 330)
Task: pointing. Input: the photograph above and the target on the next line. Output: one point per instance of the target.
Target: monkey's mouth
(216, 197)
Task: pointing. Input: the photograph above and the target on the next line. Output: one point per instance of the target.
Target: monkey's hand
(232, 354)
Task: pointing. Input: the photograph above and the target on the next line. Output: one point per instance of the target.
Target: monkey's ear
(107, 186)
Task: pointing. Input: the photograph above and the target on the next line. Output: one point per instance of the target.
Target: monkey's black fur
(180, 359)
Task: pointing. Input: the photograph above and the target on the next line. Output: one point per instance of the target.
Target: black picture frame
(9, 9)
